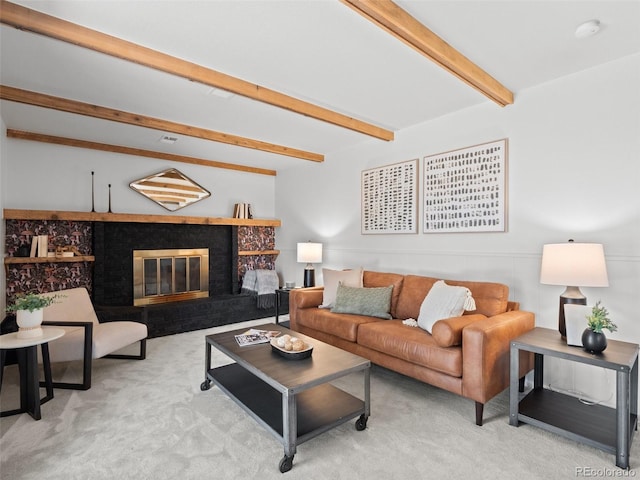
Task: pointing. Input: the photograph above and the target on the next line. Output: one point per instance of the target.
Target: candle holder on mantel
(93, 206)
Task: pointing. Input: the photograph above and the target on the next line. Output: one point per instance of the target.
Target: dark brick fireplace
(113, 246)
(109, 277)
(114, 243)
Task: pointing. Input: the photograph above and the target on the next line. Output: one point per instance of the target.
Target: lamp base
(309, 277)
(572, 295)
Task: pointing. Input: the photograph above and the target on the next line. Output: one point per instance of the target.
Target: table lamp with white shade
(309, 253)
(573, 265)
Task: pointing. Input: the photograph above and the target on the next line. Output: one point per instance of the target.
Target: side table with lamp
(610, 429)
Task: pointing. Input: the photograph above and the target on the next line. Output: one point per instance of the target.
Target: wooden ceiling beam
(71, 106)
(399, 23)
(105, 147)
(33, 21)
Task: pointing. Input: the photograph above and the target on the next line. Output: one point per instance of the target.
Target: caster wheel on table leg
(361, 423)
(286, 464)
(206, 385)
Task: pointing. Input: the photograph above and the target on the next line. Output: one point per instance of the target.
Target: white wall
(51, 177)
(574, 171)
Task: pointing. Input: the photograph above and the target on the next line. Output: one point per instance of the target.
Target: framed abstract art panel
(389, 199)
(465, 190)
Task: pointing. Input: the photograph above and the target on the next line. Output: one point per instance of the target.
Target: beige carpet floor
(150, 420)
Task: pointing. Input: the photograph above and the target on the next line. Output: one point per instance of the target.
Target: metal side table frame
(26, 351)
(609, 429)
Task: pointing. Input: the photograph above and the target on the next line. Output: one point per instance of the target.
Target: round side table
(26, 351)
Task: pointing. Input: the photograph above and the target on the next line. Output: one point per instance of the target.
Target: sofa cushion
(491, 298)
(342, 325)
(331, 279)
(410, 344)
(444, 301)
(378, 279)
(448, 332)
(414, 290)
(374, 302)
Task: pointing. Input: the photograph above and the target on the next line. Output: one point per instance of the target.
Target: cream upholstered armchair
(85, 337)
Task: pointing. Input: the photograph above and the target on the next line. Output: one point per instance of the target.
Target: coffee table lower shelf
(318, 409)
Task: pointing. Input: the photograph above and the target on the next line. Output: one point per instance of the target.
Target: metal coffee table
(292, 399)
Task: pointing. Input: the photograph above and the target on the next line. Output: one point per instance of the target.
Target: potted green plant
(29, 312)
(593, 339)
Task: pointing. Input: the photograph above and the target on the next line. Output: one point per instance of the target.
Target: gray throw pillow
(372, 302)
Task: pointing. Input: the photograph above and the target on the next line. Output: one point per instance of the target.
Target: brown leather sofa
(467, 355)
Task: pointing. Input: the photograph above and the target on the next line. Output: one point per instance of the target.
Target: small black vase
(593, 342)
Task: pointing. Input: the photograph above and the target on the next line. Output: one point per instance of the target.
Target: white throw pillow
(331, 279)
(444, 301)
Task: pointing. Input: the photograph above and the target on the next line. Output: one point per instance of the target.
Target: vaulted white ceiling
(319, 51)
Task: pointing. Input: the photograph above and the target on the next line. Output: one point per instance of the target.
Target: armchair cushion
(112, 336)
(74, 306)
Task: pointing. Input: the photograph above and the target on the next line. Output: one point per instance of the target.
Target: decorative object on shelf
(389, 198)
(289, 285)
(465, 190)
(574, 265)
(593, 340)
(93, 203)
(309, 253)
(109, 211)
(170, 189)
(66, 251)
(29, 309)
(39, 246)
(242, 210)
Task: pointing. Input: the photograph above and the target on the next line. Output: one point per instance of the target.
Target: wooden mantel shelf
(13, 214)
(248, 253)
(74, 259)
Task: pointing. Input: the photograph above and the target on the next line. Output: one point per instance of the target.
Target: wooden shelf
(14, 214)
(77, 258)
(245, 253)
